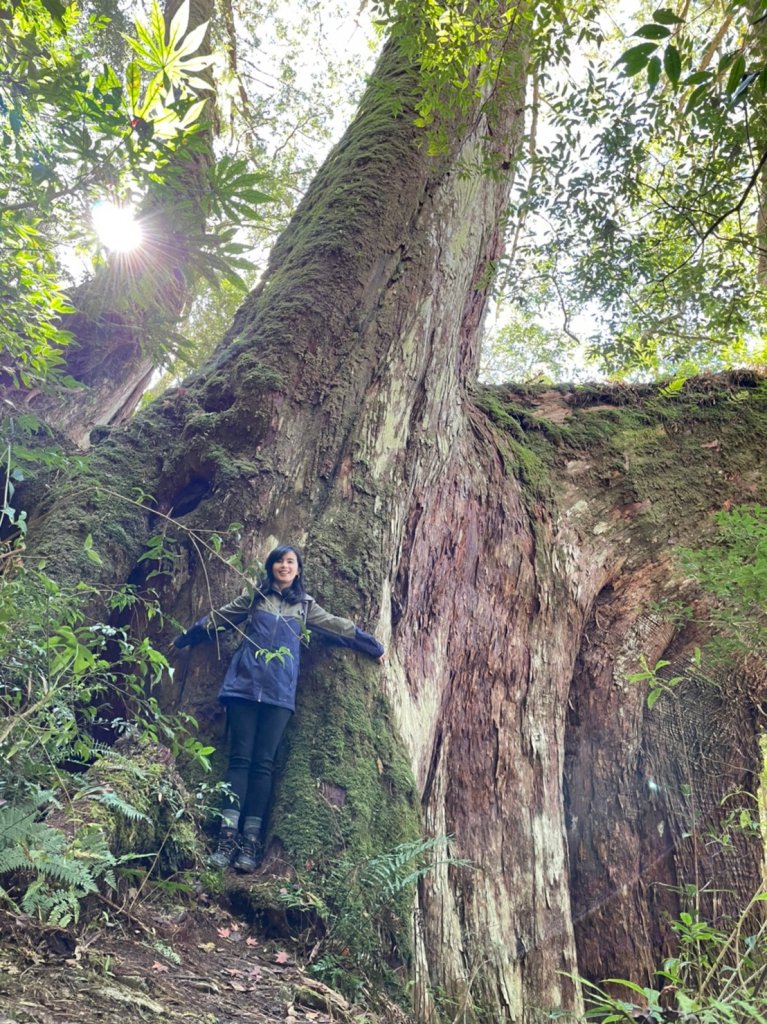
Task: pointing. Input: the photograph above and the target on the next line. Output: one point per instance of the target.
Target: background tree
(84, 135)
(642, 204)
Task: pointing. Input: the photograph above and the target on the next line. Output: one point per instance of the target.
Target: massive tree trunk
(503, 546)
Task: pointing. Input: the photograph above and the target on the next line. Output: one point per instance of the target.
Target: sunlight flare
(116, 226)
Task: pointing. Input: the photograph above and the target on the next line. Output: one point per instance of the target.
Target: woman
(259, 690)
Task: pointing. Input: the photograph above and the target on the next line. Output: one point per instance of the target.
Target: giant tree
(512, 549)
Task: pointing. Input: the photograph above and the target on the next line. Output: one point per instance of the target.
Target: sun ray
(116, 226)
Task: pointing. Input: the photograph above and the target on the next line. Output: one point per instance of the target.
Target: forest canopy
(635, 228)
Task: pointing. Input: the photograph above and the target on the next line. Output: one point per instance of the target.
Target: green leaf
(133, 83)
(653, 72)
(744, 84)
(697, 77)
(672, 64)
(179, 23)
(192, 114)
(90, 550)
(157, 27)
(665, 16)
(652, 697)
(673, 387)
(193, 41)
(627, 984)
(653, 32)
(198, 83)
(736, 73)
(696, 97)
(636, 58)
(56, 10)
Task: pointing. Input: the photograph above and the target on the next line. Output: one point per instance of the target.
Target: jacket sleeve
(223, 618)
(228, 615)
(341, 632)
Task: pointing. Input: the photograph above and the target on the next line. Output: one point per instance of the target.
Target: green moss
(345, 769)
(524, 443)
(255, 375)
(673, 454)
(140, 804)
(226, 468)
(203, 424)
(328, 241)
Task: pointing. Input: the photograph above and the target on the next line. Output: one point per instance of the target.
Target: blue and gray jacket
(265, 665)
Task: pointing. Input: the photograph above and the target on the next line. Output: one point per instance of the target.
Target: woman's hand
(382, 659)
(196, 634)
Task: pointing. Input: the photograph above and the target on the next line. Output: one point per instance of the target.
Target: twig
(124, 910)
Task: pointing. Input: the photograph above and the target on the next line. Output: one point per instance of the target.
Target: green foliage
(733, 570)
(715, 978)
(659, 682)
(63, 871)
(165, 53)
(641, 209)
(66, 680)
(525, 351)
(362, 909)
(462, 55)
(76, 131)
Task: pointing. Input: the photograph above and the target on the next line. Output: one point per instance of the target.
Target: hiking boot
(228, 846)
(250, 855)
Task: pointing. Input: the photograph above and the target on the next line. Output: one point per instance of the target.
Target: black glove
(196, 634)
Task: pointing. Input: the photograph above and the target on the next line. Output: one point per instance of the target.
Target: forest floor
(168, 965)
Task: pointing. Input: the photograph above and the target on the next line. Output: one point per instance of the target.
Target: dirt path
(191, 965)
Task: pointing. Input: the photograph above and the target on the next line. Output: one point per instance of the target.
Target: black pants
(255, 731)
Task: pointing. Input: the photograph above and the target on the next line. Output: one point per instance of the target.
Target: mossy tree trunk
(504, 548)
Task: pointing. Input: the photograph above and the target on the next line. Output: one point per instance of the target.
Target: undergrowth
(68, 797)
(717, 976)
(352, 928)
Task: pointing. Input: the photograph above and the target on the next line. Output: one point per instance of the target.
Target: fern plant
(363, 908)
(385, 876)
(64, 870)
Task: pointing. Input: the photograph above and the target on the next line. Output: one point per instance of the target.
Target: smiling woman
(259, 689)
(116, 226)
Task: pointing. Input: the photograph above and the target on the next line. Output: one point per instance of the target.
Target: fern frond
(388, 874)
(14, 859)
(15, 821)
(110, 799)
(65, 871)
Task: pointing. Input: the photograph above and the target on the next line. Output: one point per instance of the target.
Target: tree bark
(501, 544)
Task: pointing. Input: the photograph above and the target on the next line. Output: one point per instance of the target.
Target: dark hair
(296, 589)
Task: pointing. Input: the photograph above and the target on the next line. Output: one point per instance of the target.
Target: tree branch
(741, 202)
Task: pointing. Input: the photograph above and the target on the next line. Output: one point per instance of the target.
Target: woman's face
(285, 570)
